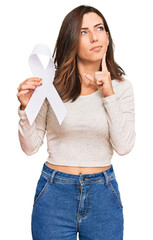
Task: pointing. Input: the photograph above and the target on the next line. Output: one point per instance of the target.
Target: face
(92, 34)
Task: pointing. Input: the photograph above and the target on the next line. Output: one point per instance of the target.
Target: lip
(96, 48)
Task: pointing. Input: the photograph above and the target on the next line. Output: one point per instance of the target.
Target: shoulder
(122, 86)
(121, 83)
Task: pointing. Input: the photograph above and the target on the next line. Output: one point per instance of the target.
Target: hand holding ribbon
(47, 90)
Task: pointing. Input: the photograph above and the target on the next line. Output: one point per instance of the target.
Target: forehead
(90, 19)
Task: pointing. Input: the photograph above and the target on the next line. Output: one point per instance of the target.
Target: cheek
(105, 42)
(83, 48)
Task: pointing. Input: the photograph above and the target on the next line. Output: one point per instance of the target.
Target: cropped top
(93, 128)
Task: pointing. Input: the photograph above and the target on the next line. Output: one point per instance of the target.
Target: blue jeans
(65, 204)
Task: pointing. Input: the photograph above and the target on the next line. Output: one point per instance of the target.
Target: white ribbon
(47, 89)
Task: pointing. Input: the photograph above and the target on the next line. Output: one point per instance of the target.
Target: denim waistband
(54, 174)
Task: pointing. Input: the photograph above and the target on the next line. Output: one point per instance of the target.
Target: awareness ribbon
(47, 89)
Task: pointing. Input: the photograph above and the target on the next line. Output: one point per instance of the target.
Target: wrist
(110, 94)
(22, 107)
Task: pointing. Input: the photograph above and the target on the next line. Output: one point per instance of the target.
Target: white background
(26, 23)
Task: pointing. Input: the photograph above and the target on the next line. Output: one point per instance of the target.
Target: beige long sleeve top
(93, 128)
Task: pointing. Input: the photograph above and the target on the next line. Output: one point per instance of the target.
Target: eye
(82, 32)
(101, 28)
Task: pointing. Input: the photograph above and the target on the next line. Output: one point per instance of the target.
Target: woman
(77, 190)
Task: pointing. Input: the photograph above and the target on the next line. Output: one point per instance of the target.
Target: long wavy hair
(67, 78)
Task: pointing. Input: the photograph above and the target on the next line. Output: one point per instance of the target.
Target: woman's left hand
(102, 79)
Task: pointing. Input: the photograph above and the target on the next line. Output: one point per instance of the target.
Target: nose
(93, 37)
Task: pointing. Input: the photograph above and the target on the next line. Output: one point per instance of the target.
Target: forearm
(31, 136)
(29, 139)
(120, 113)
(121, 126)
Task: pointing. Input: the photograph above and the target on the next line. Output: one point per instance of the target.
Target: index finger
(103, 63)
(34, 78)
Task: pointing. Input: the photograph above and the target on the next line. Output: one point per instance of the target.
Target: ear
(107, 38)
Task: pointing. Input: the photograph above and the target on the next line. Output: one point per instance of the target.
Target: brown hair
(67, 77)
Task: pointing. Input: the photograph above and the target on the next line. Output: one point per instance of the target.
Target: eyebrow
(94, 26)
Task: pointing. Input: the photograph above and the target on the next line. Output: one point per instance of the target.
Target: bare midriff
(77, 170)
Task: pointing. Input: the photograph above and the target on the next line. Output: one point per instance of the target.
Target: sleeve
(120, 112)
(31, 137)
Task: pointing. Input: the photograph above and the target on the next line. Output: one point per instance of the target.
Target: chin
(96, 56)
(95, 59)
(92, 58)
